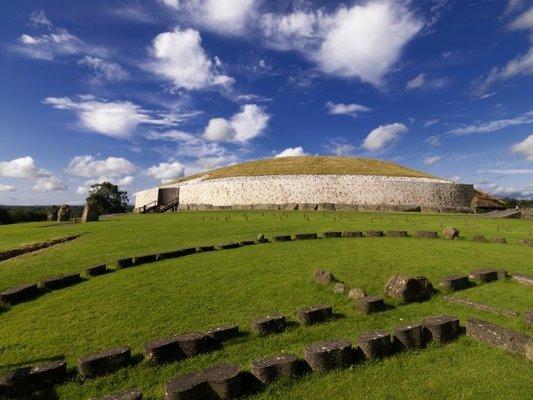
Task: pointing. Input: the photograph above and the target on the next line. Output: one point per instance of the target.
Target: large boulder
(324, 277)
(450, 233)
(51, 215)
(63, 213)
(90, 213)
(409, 290)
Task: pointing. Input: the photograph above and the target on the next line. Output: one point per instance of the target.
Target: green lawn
(196, 292)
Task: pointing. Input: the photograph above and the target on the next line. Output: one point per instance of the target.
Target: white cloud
(23, 167)
(49, 184)
(166, 172)
(519, 66)
(226, 17)
(433, 140)
(524, 148)
(7, 188)
(179, 57)
(491, 126)
(345, 109)
(431, 122)
(524, 21)
(416, 82)
(430, 160)
(242, 127)
(117, 119)
(89, 167)
(103, 71)
(509, 171)
(121, 182)
(291, 152)
(339, 147)
(383, 136)
(39, 18)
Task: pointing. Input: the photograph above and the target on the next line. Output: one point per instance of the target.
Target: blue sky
(140, 92)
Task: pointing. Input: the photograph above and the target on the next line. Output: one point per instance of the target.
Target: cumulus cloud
(178, 56)
(430, 160)
(89, 167)
(118, 119)
(121, 182)
(7, 188)
(242, 127)
(383, 136)
(291, 152)
(492, 126)
(521, 65)
(102, 70)
(23, 167)
(524, 148)
(345, 109)
(166, 172)
(49, 184)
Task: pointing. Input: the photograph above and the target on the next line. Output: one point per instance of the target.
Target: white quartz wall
(337, 189)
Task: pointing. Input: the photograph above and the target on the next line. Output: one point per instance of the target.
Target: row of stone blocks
(460, 282)
(227, 381)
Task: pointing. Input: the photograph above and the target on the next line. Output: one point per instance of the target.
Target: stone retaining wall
(343, 190)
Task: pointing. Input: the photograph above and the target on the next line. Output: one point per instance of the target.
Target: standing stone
(409, 290)
(63, 213)
(90, 213)
(450, 233)
(51, 215)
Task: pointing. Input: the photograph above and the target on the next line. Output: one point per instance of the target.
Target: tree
(5, 217)
(108, 198)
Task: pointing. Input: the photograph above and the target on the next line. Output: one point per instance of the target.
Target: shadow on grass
(30, 362)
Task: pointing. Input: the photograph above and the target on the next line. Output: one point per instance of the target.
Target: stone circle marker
(104, 362)
(269, 324)
(282, 238)
(397, 233)
(375, 344)
(426, 234)
(97, 270)
(450, 233)
(25, 380)
(409, 337)
(19, 294)
(356, 293)
(455, 282)
(63, 214)
(407, 289)
(340, 288)
(125, 262)
(484, 275)
(194, 343)
(145, 259)
(314, 314)
(329, 355)
(353, 234)
(90, 212)
(269, 369)
(60, 282)
(223, 333)
(305, 236)
(324, 277)
(327, 235)
(441, 328)
(370, 304)
(495, 335)
(374, 234)
(163, 350)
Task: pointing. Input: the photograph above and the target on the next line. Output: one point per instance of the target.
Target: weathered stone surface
(500, 240)
(441, 328)
(271, 368)
(125, 262)
(330, 234)
(90, 213)
(329, 355)
(324, 277)
(145, 259)
(51, 215)
(375, 344)
(63, 214)
(104, 362)
(163, 350)
(353, 234)
(370, 304)
(269, 324)
(340, 288)
(480, 238)
(455, 282)
(407, 289)
(261, 238)
(523, 278)
(307, 206)
(374, 233)
(450, 233)
(25, 380)
(480, 306)
(495, 335)
(305, 236)
(397, 233)
(282, 238)
(528, 318)
(225, 246)
(204, 249)
(502, 274)
(96, 270)
(356, 293)
(325, 207)
(194, 343)
(426, 234)
(19, 294)
(314, 314)
(484, 275)
(223, 333)
(130, 394)
(408, 337)
(59, 282)
(526, 242)
(220, 382)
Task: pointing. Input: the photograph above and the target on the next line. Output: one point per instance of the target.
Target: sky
(143, 92)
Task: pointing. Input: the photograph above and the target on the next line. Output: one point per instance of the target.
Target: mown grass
(196, 292)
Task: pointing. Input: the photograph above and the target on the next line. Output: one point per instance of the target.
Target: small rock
(340, 288)
(407, 289)
(450, 233)
(324, 277)
(356, 293)
(480, 238)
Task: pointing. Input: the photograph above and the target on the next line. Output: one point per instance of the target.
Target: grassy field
(133, 306)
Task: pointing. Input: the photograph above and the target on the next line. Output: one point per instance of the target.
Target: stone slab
(97, 270)
(226, 246)
(282, 238)
(329, 355)
(19, 294)
(60, 282)
(194, 343)
(269, 324)
(223, 333)
(441, 328)
(163, 350)
(455, 282)
(104, 362)
(145, 259)
(480, 306)
(409, 337)
(305, 236)
(484, 275)
(498, 336)
(314, 314)
(269, 369)
(331, 234)
(523, 278)
(426, 234)
(370, 304)
(204, 249)
(375, 344)
(397, 233)
(353, 234)
(125, 262)
(374, 234)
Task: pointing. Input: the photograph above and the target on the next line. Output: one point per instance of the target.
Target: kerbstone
(314, 314)
(282, 238)
(408, 337)
(60, 282)
(269, 369)
(375, 344)
(426, 234)
(484, 275)
(495, 335)
(455, 282)
(374, 234)
(305, 236)
(329, 355)
(223, 333)
(353, 234)
(104, 362)
(194, 343)
(370, 304)
(163, 350)
(331, 234)
(397, 233)
(269, 324)
(441, 328)
(19, 294)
